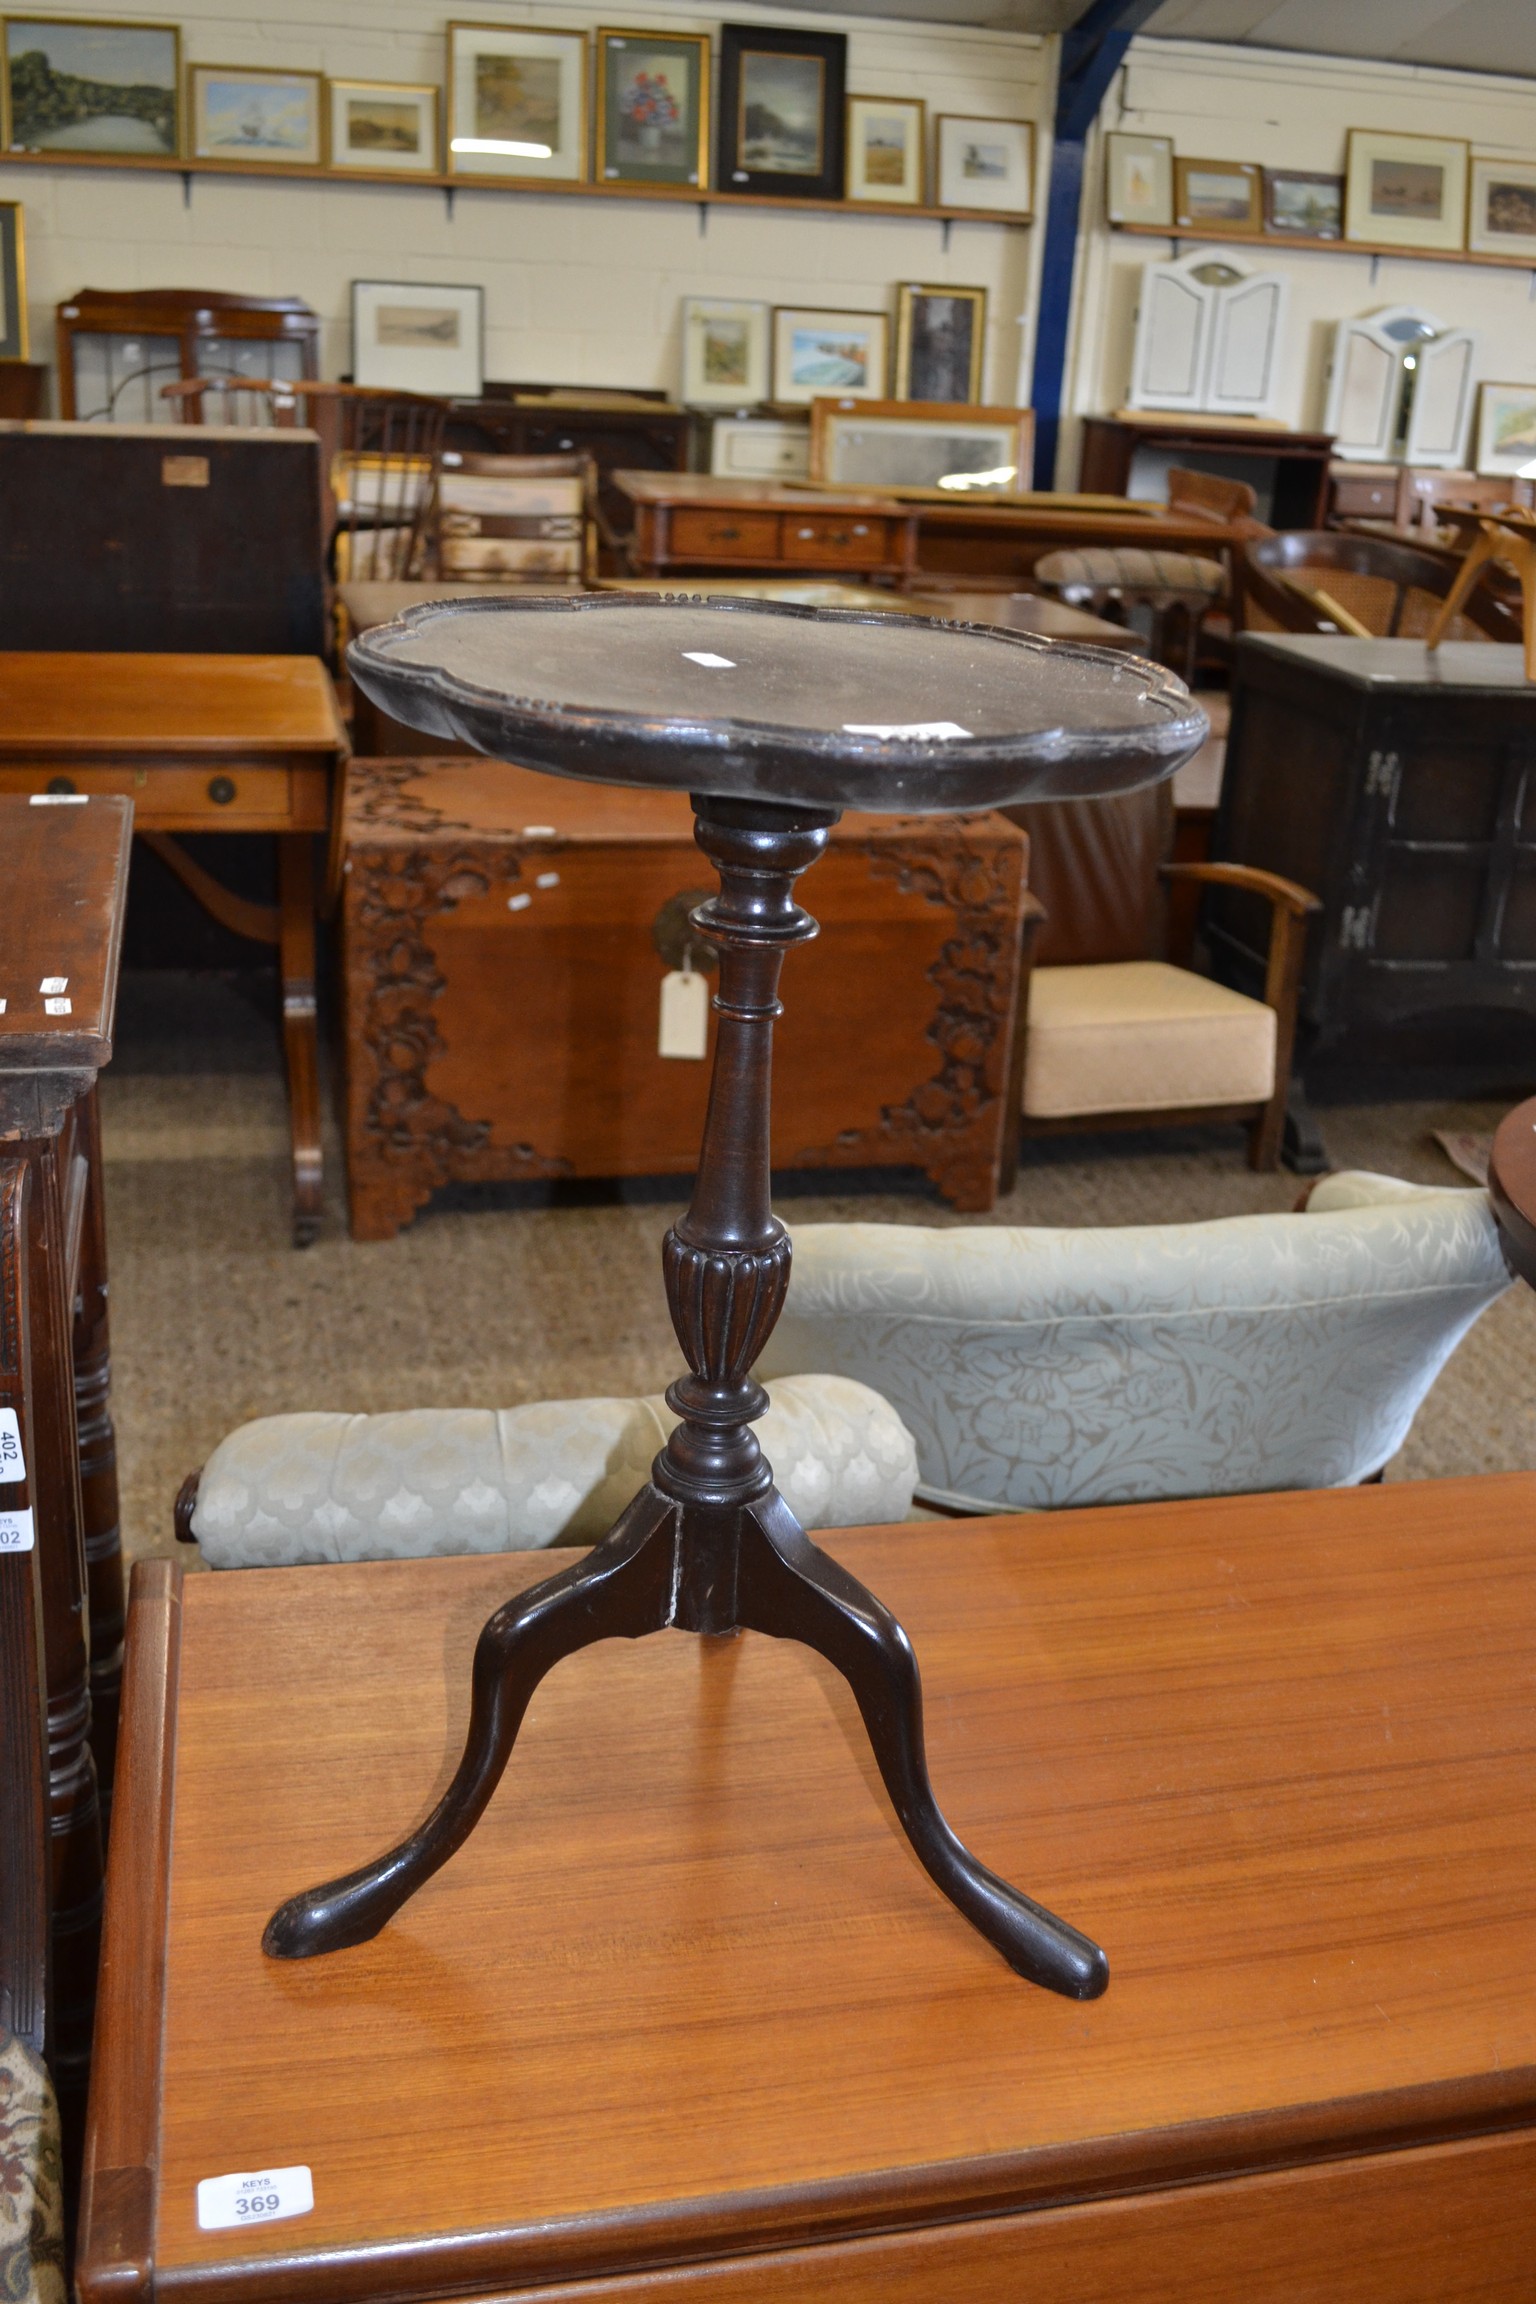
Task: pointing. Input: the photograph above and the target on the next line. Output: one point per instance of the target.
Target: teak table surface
(74, 702)
(65, 879)
(686, 1999)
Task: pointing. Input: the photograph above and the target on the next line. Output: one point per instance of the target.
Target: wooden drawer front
(1365, 499)
(176, 799)
(833, 540)
(724, 536)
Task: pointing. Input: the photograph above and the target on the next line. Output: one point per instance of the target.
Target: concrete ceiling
(1467, 35)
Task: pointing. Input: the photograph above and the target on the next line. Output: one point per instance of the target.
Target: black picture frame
(816, 135)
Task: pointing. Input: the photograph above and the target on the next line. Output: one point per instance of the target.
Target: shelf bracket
(1375, 270)
(946, 226)
(448, 192)
(186, 187)
(703, 219)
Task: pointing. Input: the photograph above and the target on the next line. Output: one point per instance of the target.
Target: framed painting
(653, 107)
(13, 282)
(1405, 191)
(921, 446)
(1216, 196)
(383, 125)
(885, 140)
(1302, 205)
(517, 102)
(1138, 179)
(941, 336)
(781, 112)
(985, 164)
(1506, 429)
(815, 352)
(408, 336)
(107, 91)
(725, 352)
(1501, 208)
(247, 113)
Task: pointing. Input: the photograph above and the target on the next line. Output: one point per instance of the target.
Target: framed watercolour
(1506, 429)
(653, 107)
(1138, 179)
(517, 102)
(885, 138)
(725, 352)
(1300, 205)
(245, 112)
(1501, 208)
(985, 164)
(815, 352)
(13, 282)
(1405, 191)
(781, 112)
(108, 90)
(383, 125)
(1216, 196)
(941, 336)
(411, 337)
(913, 444)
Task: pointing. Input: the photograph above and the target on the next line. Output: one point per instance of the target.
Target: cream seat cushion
(1139, 1036)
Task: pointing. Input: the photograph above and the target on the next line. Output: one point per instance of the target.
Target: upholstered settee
(1043, 1368)
(287, 1491)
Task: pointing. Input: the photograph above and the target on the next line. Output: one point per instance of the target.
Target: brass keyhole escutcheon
(221, 790)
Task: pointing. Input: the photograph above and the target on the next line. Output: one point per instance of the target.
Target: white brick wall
(577, 290)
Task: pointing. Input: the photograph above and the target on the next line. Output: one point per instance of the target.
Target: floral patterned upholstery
(1045, 1368)
(31, 2179)
(287, 1491)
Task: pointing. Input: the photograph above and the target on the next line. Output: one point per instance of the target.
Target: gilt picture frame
(256, 116)
(91, 86)
(1138, 179)
(941, 338)
(923, 448)
(1406, 191)
(1506, 428)
(386, 127)
(517, 103)
(886, 138)
(1212, 197)
(652, 108)
(727, 348)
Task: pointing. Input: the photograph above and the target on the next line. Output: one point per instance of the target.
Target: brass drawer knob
(221, 790)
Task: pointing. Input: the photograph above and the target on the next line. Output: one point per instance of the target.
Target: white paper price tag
(266, 2197)
(54, 984)
(684, 1014)
(16, 1531)
(58, 1007)
(13, 1463)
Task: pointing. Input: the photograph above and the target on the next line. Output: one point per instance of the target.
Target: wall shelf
(1278, 241)
(687, 194)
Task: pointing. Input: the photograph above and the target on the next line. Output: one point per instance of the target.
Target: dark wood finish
(1414, 497)
(1396, 783)
(193, 319)
(1266, 1744)
(66, 882)
(22, 384)
(1282, 582)
(376, 733)
(1023, 612)
(97, 1439)
(892, 1052)
(24, 1820)
(1512, 1187)
(635, 432)
(201, 743)
(131, 536)
(1290, 468)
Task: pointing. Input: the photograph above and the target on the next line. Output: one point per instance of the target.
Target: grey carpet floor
(489, 1300)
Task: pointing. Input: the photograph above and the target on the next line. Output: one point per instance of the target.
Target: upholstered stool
(1139, 1036)
(1098, 575)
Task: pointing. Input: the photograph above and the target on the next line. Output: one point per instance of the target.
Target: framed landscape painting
(1138, 179)
(653, 107)
(1216, 196)
(819, 352)
(913, 444)
(886, 135)
(411, 337)
(385, 125)
(725, 352)
(985, 164)
(1501, 208)
(517, 102)
(1406, 191)
(1302, 205)
(1506, 428)
(781, 112)
(940, 340)
(107, 90)
(245, 112)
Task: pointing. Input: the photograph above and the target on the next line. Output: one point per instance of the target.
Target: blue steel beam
(1091, 54)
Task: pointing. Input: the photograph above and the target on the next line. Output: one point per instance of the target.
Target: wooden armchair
(1111, 1033)
(1320, 580)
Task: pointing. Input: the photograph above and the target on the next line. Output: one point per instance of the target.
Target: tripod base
(700, 1568)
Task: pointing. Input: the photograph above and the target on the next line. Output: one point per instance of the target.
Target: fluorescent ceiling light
(500, 144)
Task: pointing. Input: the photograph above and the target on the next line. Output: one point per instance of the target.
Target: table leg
(98, 1460)
(296, 966)
(74, 1815)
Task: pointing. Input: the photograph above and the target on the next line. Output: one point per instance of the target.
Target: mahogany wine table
(201, 744)
(684, 2023)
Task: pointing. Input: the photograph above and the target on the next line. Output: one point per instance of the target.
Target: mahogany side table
(774, 719)
(684, 2022)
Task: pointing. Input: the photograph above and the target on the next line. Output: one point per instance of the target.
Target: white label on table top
(2, 1007)
(709, 662)
(54, 984)
(684, 1014)
(915, 732)
(58, 799)
(16, 1531)
(547, 880)
(519, 903)
(263, 2197)
(538, 831)
(13, 1464)
(58, 1007)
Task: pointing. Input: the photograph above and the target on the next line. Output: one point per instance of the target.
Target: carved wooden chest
(506, 937)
